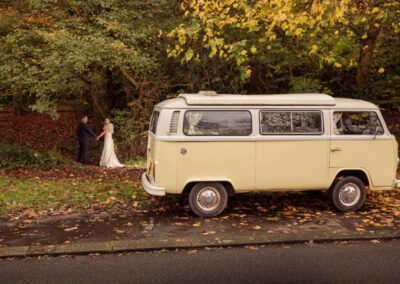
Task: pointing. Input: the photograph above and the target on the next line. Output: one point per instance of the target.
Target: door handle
(336, 149)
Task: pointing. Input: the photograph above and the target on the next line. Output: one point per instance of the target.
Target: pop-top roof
(212, 98)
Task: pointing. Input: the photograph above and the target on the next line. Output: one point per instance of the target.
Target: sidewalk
(247, 224)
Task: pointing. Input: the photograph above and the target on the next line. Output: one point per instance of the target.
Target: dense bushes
(18, 156)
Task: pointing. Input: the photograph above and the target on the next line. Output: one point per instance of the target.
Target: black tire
(199, 193)
(344, 189)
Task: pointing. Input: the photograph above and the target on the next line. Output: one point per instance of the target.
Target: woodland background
(62, 58)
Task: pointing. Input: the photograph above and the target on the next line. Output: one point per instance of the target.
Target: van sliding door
(294, 151)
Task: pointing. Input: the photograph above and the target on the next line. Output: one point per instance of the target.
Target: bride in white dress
(108, 157)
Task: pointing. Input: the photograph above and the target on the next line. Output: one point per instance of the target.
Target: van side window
(154, 121)
(217, 123)
(290, 122)
(357, 123)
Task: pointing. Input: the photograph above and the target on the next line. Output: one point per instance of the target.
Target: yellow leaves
(282, 17)
(248, 72)
(298, 32)
(272, 37)
(209, 32)
(313, 49)
(118, 45)
(269, 47)
(375, 10)
(365, 36)
(239, 61)
(337, 65)
(381, 70)
(189, 54)
(181, 32)
(171, 34)
(377, 25)
(253, 49)
(339, 14)
(214, 49)
(243, 52)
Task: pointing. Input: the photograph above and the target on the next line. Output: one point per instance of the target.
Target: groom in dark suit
(83, 133)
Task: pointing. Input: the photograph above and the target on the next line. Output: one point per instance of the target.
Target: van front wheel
(348, 194)
(208, 199)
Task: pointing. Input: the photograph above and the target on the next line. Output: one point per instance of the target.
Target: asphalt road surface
(362, 262)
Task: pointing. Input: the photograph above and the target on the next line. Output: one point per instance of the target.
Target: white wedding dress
(108, 157)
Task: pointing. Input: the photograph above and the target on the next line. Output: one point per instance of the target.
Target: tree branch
(129, 77)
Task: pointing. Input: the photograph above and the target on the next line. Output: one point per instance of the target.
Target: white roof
(324, 100)
(282, 100)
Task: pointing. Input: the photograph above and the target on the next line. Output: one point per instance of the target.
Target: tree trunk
(364, 61)
(18, 104)
(100, 93)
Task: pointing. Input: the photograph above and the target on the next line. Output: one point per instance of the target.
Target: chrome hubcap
(349, 194)
(208, 198)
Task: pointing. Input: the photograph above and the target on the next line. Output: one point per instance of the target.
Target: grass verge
(69, 196)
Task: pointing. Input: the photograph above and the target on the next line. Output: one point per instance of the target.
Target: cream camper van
(211, 146)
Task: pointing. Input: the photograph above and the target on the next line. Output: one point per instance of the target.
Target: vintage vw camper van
(211, 146)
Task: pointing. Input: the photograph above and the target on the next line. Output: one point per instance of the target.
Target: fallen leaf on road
(257, 227)
(196, 225)
(70, 229)
(205, 233)
(252, 247)
(310, 243)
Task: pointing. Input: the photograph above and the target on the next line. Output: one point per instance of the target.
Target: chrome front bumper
(152, 189)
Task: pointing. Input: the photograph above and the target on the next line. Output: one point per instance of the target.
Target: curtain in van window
(338, 127)
(193, 119)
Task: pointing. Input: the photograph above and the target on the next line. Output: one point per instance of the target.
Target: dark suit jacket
(83, 133)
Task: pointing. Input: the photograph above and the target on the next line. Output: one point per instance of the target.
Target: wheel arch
(362, 174)
(226, 183)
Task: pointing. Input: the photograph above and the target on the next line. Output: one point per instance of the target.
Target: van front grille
(173, 127)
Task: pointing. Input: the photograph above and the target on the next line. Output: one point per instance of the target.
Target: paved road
(363, 262)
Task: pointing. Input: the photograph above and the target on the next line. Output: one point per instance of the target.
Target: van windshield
(154, 121)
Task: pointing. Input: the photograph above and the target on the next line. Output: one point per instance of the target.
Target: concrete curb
(172, 244)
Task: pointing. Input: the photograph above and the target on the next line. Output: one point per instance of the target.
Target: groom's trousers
(83, 152)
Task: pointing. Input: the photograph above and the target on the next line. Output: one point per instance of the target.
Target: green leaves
(53, 44)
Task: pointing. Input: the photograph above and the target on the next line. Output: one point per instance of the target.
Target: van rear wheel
(348, 194)
(208, 199)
